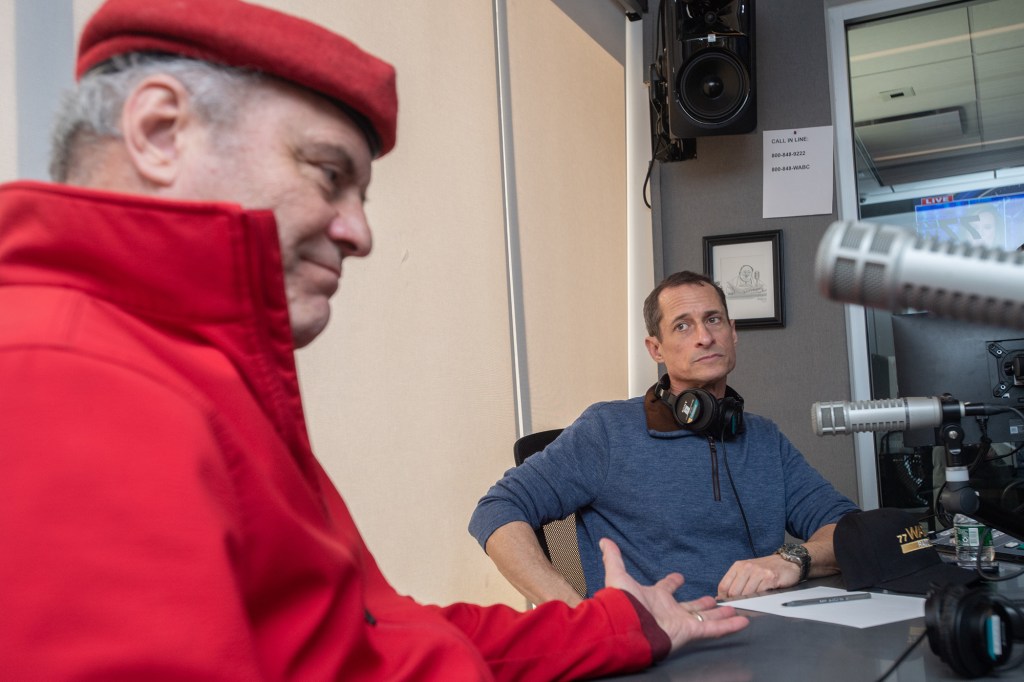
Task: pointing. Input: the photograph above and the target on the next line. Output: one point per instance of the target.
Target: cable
(1011, 453)
(663, 146)
(991, 578)
(941, 514)
(943, 517)
(647, 180)
(1008, 488)
(983, 449)
(983, 428)
(903, 656)
(655, 96)
(739, 503)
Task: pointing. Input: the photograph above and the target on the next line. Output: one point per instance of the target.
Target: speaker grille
(713, 87)
(708, 67)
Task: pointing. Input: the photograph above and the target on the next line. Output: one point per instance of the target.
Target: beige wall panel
(569, 125)
(83, 10)
(8, 113)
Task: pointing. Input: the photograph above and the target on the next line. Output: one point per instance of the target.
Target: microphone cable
(647, 182)
(1015, 450)
(985, 446)
(902, 657)
(1002, 496)
(656, 103)
(904, 462)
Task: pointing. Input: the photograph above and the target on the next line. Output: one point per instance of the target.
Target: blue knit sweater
(665, 496)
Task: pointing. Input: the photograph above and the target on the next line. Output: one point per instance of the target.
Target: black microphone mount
(958, 496)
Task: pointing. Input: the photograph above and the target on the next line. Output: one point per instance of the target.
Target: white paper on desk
(861, 613)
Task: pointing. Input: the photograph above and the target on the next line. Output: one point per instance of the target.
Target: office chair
(557, 538)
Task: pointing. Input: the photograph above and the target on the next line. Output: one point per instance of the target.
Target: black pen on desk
(829, 600)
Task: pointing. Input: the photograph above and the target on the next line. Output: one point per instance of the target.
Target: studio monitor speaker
(709, 67)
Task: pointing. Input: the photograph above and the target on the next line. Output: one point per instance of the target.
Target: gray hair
(91, 112)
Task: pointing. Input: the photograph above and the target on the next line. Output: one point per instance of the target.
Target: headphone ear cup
(696, 409)
(938, 619)
(732, 416)
(960, 622)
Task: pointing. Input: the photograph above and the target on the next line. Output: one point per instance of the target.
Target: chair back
(557, 538)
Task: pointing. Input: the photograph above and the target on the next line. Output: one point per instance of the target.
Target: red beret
(236, 33)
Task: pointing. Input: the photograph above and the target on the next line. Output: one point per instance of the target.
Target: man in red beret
(161, 513)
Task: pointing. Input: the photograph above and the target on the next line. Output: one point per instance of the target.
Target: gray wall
(44, 71)
(780, 371)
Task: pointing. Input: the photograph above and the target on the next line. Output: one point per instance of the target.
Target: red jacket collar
(202, 262)
(199, 270)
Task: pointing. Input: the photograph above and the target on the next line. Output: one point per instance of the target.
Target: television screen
(991, 216)
(973, 363)
(993, 221)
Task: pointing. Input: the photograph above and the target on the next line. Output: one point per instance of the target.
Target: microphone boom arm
(942, 413)
(958, 496)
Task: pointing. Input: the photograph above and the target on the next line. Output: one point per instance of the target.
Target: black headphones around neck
(697, 410)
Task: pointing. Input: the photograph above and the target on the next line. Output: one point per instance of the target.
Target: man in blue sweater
(681, 479)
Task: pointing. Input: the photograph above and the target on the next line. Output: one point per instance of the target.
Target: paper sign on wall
(797, 172)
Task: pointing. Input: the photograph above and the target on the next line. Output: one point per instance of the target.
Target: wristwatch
(798, 555)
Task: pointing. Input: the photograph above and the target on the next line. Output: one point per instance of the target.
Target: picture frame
(748, 267)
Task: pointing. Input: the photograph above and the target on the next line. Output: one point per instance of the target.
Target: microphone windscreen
(890, 267)
(828, 418)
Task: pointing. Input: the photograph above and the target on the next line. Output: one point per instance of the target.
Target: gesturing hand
(682, 621)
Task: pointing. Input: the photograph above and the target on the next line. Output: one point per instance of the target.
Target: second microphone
(892, 414)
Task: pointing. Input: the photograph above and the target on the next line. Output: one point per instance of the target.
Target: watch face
(798, 555)
(797, 551)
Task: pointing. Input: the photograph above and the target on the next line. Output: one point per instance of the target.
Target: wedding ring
(696, 614)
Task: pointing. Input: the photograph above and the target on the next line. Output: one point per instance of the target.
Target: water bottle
(972, 537)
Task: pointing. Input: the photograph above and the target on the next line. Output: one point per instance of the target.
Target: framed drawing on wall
(748, 267)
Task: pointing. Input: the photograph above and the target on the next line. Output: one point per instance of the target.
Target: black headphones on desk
(697, 410)
(973, 629)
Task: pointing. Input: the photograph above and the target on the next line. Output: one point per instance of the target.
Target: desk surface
(796, 650)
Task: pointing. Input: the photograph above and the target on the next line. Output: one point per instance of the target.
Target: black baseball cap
(888, 549)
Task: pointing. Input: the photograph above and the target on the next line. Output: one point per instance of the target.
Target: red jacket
(161, 513)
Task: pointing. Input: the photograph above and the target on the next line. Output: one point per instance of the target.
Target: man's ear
(155, 117)
(653, 347)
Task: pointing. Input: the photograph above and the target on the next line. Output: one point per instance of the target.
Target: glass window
(937, 105)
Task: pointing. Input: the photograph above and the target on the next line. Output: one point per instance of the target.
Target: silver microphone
(890, 267)
(891, 414)
(894, 414)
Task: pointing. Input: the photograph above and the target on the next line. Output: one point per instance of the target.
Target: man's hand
(682, 621)
(751, 576)
(772, 572)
